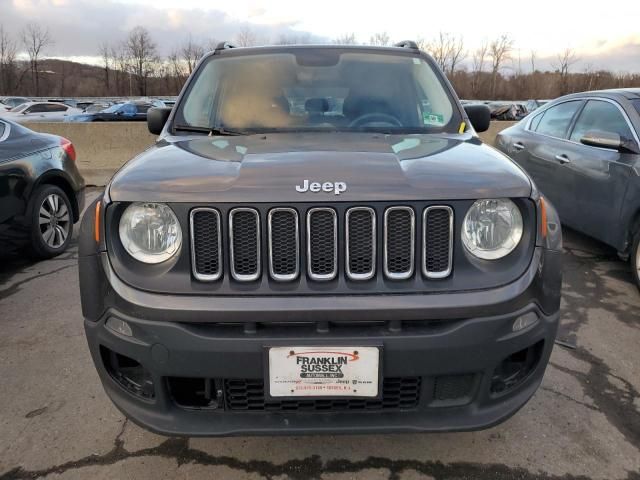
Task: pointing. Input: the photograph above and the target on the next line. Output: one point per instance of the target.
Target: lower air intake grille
(453, 388)
(398, 393)
(245, 244)
(322, 243)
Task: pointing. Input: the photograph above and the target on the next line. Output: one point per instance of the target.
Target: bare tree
(191, 52)
(478, 60)
(107, 64)
(346, 39)
(447, 50)
(293, 39)
(565, 60)
(143, 56)
(35, 39)
(246, 37)
(8, 66)
(457, 53)
(499, 52)
(381, 38)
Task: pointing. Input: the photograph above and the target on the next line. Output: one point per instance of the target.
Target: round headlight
(150, 232)
(492, 228)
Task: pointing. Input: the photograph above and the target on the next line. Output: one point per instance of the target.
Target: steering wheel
(380, 119)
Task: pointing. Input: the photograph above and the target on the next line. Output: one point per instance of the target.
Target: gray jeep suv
(319, 242)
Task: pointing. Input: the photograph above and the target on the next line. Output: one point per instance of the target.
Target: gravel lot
(584, 422)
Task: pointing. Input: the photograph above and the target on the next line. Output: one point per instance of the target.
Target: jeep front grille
(284, 244)
(437, 225)
(360, 254)
(322, 243)
(399, 242)
(339, 240)
(244, 233)
(206, 248)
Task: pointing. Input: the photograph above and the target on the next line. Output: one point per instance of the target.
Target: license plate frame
(369, 389)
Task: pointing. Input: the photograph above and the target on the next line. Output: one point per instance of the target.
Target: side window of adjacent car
(556, 120)
(601, 116)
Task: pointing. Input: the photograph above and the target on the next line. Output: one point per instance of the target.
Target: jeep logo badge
(336, 187)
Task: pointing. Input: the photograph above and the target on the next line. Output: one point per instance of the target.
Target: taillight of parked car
(68, 147)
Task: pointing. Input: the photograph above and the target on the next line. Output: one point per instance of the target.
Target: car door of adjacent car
(598, 176)
(540, 153)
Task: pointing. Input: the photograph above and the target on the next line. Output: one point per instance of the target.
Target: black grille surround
(359, 245)
(177, 276)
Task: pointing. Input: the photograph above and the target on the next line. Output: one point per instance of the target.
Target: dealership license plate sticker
(324, 371)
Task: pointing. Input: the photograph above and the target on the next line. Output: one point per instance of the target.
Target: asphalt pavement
(583, 423)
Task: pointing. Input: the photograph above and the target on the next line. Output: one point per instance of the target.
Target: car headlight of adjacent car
(150, 232)
(492, 228)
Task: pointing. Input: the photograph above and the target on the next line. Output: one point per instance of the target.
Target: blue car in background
(120, 112)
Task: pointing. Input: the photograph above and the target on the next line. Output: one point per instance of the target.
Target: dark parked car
(41, 191)
(120, 112)
(583, 152)
(361, 262)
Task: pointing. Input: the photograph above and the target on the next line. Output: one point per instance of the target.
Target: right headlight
(492, 228)
(150, 232)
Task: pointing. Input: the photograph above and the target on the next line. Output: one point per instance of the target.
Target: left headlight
(492, 228)
(150, 232)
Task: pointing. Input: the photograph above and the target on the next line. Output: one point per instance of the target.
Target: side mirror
(156, 118)
(610, 140)
(479, 116)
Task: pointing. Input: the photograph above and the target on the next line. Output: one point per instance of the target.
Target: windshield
(113, 108)
(19, 108)
(318, 89)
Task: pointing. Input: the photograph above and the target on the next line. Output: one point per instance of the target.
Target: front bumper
(429, 337)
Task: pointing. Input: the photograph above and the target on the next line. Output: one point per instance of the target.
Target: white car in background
(40, 112)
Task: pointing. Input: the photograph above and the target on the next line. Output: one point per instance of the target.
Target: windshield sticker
(434, 119)
(463, 127)
(241, 150)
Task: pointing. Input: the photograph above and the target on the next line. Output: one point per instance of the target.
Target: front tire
(51, 222)
(635, 258)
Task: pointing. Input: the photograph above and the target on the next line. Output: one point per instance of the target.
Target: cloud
(79, 27)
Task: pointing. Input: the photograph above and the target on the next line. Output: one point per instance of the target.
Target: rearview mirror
(610, 140)
(156, 118)
(479, 116)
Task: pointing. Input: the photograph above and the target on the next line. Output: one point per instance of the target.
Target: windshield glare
(19, 108)
(319, 89)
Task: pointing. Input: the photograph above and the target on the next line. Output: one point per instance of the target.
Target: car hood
(267, 168)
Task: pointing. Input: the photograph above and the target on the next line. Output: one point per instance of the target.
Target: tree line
(134, 66)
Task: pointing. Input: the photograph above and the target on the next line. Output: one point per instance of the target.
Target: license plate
(324, 371)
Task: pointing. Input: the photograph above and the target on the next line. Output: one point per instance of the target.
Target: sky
(605, 37)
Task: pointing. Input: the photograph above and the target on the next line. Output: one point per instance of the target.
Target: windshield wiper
(209, 131)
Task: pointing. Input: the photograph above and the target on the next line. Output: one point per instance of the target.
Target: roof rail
(224, 46)
(407, 44)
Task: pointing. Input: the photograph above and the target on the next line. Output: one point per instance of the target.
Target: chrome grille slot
(284, 244)
(360, 255)
(244, 244)
(399, 242)
(206, 251)
(322, 243)
(437, 241)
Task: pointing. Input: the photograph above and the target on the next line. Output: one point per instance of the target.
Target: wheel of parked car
(51, 221)
(635, 258)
